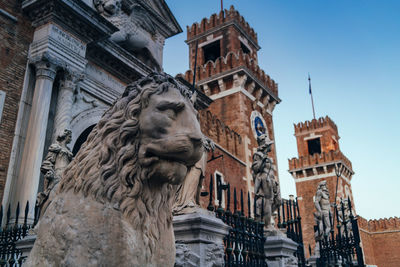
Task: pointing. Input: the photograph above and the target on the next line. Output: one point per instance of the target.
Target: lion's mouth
(181, 154)
(151, 158)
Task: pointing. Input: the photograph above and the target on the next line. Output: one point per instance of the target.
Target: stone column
(199, 239)
(29, 173)
(65, 102)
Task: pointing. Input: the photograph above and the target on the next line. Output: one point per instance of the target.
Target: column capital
(71, 79)
(47, 66)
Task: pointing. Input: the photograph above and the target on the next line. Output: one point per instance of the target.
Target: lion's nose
(196, 139)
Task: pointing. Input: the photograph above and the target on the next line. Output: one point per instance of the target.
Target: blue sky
(351, 48)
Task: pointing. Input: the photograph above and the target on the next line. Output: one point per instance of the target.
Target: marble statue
(321, 216)
(187, 198)
(113, 206)
(137, 32)
(266, 187)
(56, 161)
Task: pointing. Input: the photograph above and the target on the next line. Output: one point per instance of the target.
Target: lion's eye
(170, 108)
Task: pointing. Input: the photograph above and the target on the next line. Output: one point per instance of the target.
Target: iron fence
(289, 218)
(244, 245)
(342, 246)
(10, 234)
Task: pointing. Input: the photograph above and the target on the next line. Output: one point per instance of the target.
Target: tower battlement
(315, 124)
(231, 61)
(380, 225)
(304, 162)
(215, 20)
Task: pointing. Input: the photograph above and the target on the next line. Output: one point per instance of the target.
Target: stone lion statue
(113, 205)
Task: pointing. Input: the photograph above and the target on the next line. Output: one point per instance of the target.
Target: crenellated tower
(318, 153)
(243, 95)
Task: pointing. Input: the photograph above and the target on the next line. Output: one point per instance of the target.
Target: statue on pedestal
(57, 159)
(187, 198)
(321, 216)
(266, 188)
(113, 205)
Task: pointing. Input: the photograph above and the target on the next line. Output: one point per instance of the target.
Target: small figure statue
(57, 159)
(265, 186)
(187, 197)
(321, 216)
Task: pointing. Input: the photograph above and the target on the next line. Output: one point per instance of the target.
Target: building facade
(244, 96)
(63, 63)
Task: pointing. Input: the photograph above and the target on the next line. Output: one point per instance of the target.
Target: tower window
(244, 48)
(314, 146)
(212, 51)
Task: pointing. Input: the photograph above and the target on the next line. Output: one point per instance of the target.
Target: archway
(82, 139)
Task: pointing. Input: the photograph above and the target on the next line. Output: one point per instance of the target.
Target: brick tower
(318, 152)
(243, 96)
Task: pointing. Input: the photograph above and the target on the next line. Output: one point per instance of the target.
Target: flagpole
(312, 100)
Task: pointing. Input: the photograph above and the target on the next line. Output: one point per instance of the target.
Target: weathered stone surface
(113, 206)
(279, 251)
(199, 239)
(321, 216)
(266, 187)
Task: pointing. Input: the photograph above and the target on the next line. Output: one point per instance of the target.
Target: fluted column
(65, 102)
(29, 173)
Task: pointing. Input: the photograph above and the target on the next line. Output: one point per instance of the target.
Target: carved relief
(137, 32)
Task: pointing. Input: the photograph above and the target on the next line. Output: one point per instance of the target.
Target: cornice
(166, 28)
(245, 70)
(73, 15)
(117, 61)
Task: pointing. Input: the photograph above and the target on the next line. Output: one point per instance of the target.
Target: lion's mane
(107, 169)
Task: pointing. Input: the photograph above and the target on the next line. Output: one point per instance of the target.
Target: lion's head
(107, 7)
(142, 146)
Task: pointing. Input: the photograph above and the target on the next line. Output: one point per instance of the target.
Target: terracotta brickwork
(230, 61)
(324, 128)
(221, 133)
(16, 34)
(381, 241)
(237, 86)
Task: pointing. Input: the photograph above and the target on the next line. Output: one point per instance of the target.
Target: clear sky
(351, 48)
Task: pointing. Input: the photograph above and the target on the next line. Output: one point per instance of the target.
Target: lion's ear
(193, 98)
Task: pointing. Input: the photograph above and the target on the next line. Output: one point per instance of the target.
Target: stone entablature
(221, 133)
(69, 13)
(319, 164)
(223, 18)
(380, 225)
(232, 60)
(302, 128)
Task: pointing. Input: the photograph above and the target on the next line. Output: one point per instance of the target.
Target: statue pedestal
(279, 251)
(199, 239)
(312, 261)
(26, 245)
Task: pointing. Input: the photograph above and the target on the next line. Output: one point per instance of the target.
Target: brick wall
(15, 37)
(381, 241)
